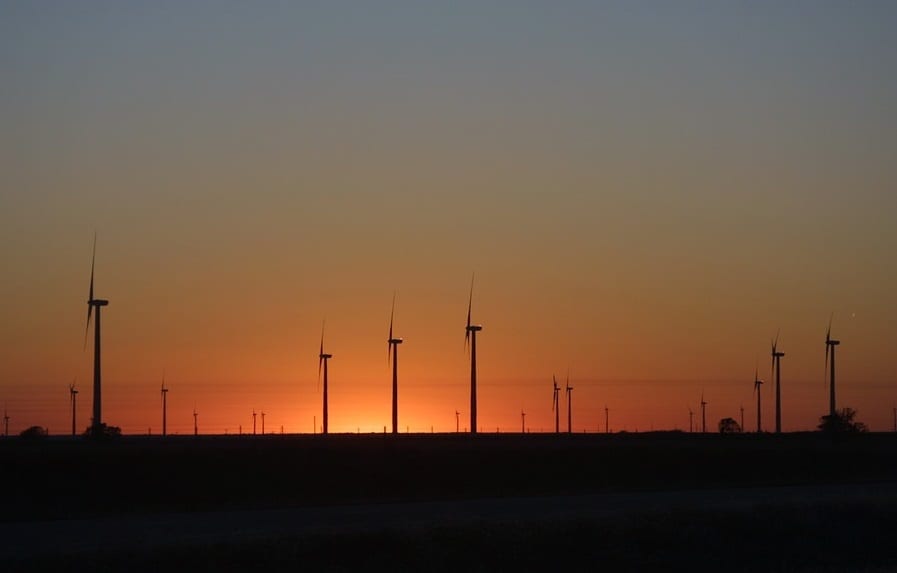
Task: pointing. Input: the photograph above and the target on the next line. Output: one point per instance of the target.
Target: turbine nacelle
(98, 302)
(325, 356)
(395, 341)
(474, 327)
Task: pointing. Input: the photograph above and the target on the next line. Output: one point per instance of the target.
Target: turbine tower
(555, 406)
(569, 392)
(757, 384)
(263, 422)
(522, 422)
(96, 424)
(195, 424)
(253, 421)
(457, 421)
(830, 344)
(777, 370)
(73, 398)
(606, 418)
(392, 348)
(742, 416)
(703, 415)
(470, 339)
(164, 393)
(691, 420)
(323, 360)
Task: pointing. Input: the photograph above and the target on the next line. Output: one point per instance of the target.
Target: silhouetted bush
(104, 432)
(729, 426)
(841, 422)
(34, 433)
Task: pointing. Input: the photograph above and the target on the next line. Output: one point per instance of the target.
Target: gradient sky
(646, 192)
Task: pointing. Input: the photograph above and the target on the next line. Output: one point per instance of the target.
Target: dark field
(144, 476)
(61, 478)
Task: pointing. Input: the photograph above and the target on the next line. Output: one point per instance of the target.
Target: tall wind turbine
(757, 384)
(831, 343)
(95, 303)
(691, 420)
(393, 349)
(742, 416)
(164, 393)
(555, 405)
(470, 338)
(73, 398)
(569, 392)
(703, 415)
(195, 423)
(323, 360)
(253, 421)
(457, 421)
(263, 422)
(606, 418)
(777, 370)
(522, 422)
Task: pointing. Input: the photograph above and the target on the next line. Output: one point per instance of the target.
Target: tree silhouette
(729, 426)
(33, 433)
(841, 422)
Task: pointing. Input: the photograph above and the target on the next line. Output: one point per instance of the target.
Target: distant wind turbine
(323, 360)
(757, 384)
(73, 398)
(263, 422)
(393, 348)
(164, 408)
(569, 392)
(470, 338)
(522, 422)
(457, 421)
(703, 415)
(606, 419)
(742, 417)
(195, 423)
(95, 303)
(253, 422)
(555, 406)
(831, 343)
(691, 420)
(777, 370)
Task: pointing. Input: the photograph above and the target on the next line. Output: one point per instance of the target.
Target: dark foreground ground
(833, 505)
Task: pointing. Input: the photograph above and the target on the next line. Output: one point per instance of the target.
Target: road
(22, 541)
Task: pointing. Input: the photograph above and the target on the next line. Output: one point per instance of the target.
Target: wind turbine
(522, 422)
(606, 417)
(164, 408)
(457, 421)
(703, 415)
(569, 392)
(195, 424)
(691, 420)
(323, 360)
(777, 370)
(555, 406)
(757, 384)
(470, 338)
(95, 303)
(742, 417)
(73, 398)
(253, 421)
(393, 348)
(831, 343)
(263, 422)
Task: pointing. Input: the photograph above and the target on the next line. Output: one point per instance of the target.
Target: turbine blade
(93, 260)
(87, 327)
(469, 309)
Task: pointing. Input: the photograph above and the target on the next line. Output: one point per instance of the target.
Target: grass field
(61, 479)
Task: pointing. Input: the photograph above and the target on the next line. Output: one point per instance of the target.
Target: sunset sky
(645, 191)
